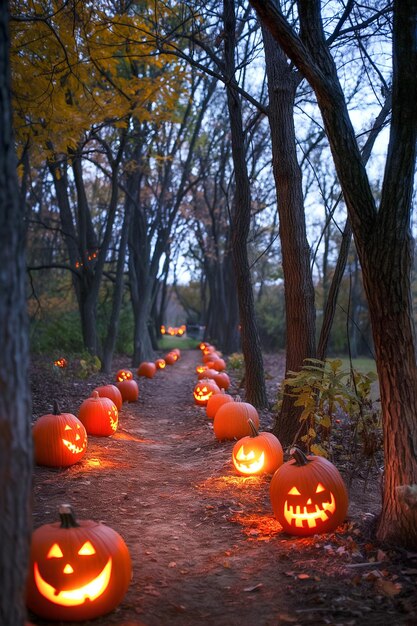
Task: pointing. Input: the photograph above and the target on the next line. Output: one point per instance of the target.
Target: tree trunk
(241, 216)
(15, 429)
(109, 343)
(300, 310)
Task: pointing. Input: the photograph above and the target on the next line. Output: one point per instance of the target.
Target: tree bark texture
(15, 410)
(255, 379)
(300, 309)
(382, 237)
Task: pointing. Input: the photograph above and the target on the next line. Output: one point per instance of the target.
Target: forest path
(205, 548)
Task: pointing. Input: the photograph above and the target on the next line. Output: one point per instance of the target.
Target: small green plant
(325, 391)
(236, 362)
(89, 364)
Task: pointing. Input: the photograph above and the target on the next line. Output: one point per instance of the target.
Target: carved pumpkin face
(124, 375)
(260, 453)
(203, 391)
(308, 495)
(160, 364)
(60, 439)
(62, 363)
(99, 415)
(77, 570)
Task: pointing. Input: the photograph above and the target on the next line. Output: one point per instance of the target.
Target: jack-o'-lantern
(124, 375)
(62, 363)
(171, 358)
(78, 570)
(59, 439)
(160, 364)
(215, 402)
(231, 420)
(202, 346)
(99, 415)
(203, 391)
(112, 392)
(308, 495)
(200, 369)
(147, 369)
(259, 453)
(129, 390)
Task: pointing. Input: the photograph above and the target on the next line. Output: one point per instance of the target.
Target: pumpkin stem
(56, 410)
(67, 516)
(299, 456)
(255, 432)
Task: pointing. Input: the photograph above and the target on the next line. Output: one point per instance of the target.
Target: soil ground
(205, 547)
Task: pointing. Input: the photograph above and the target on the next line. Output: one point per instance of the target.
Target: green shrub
(323, 391)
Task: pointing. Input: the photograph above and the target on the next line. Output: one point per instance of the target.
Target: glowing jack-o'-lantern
(203, 391)
(99, 415)
(171, 358)
(112, 392)
(160, 364)
(62, 363)
(60, 439)
(259, 453)
(78, 570)
(124, 375)
(308, 495)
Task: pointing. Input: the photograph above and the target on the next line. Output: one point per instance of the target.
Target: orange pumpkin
(129, 390)
(219, 364)
(222, 380)
(171, 358)
(203, 390)
(112, 392)
(147, 369)
(215, 402)
(124, 374)
(99, 415)
(59, 439)
(259, 453)
(231, 420)
(160, 364)
(308, 495)
(207, 373)
(78, 570)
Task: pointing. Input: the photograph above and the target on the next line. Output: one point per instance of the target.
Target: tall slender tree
(382, 233)
(15, 409)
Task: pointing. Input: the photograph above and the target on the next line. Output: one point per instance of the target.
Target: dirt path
(205, 548)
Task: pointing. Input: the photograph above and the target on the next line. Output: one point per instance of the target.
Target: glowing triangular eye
(86, 549)
(294, 492)
(320, 488)
(55, 552)
(67, 427)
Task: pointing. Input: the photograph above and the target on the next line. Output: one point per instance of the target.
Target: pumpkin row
(307, 493)
(60, 439)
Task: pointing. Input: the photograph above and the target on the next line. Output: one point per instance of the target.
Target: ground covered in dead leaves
(205, 547)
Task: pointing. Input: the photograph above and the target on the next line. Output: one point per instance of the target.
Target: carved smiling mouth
(298, 515)
(74, 597)
(72, 447)
(243, 462)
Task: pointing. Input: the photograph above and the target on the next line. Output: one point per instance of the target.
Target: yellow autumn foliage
(77, 66)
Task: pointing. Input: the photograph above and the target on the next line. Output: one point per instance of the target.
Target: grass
(362, 364)
(183, 343)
